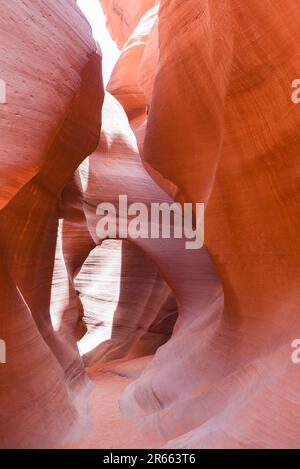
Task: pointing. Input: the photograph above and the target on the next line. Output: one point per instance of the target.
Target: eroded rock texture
(123, 16)
(222, 128)
(50, 123)
(128, 308)
(198, 109)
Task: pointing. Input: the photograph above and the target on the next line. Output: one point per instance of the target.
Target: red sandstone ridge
(194, 345)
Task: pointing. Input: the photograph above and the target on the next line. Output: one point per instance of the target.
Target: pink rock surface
(123, 16)
(124, 298)
(110, 428)
(41, 65)
(223, 128)
(199, 109)
(124, 83)
(50, 123)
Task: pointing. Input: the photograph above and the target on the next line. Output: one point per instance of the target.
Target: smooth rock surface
(50, 123)
(198, 109)
(222, 127)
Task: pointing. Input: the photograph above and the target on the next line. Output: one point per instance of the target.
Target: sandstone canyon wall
(222, 128)
(49, 124)
(198, 109)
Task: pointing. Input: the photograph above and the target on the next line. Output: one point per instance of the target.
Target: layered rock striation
(198, 109)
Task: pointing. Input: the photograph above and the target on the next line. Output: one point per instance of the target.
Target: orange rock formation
(198, 109)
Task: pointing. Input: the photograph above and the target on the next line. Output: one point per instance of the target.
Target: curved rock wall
(198, 109)
(125, 300)
(222, 127)
(50, 123)
(123, 16)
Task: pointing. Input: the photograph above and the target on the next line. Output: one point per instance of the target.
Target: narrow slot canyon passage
(149, 221)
